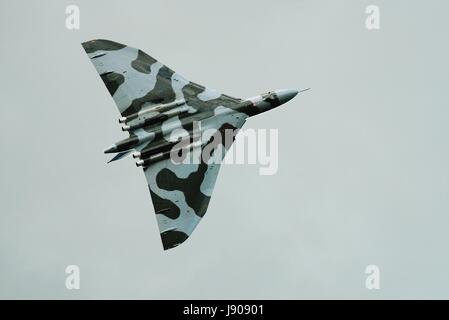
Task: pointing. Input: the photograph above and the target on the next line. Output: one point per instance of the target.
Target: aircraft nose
(286, 95)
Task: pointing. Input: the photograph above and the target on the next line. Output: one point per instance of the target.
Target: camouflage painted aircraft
(154, 101)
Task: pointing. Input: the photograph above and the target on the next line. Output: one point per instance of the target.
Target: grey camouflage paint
(154, 101)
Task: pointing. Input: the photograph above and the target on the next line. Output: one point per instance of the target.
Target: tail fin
(120, 155)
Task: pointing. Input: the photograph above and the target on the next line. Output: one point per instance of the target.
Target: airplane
(154, 101)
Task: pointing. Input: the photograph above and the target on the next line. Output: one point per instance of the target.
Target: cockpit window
(270, 95)
(267, 95)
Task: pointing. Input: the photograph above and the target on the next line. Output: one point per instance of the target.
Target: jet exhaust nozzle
(154, 119)
(139, 163)
(156, 108)
(147, 159)
(136, 155)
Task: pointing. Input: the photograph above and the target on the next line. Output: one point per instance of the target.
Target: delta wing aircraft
(155, 102)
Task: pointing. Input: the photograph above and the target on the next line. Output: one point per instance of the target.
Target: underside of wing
(180, 195)
(137, 81)
(181, 191)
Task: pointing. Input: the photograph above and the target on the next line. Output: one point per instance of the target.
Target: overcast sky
(363, 157)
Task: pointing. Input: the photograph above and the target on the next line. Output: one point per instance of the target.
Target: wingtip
(173, 238)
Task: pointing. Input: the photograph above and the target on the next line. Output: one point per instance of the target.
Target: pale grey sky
(363, 169)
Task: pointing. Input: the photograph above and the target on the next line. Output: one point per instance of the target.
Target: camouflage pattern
(154, 103)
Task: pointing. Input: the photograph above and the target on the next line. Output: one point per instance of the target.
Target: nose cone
(286, 95)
